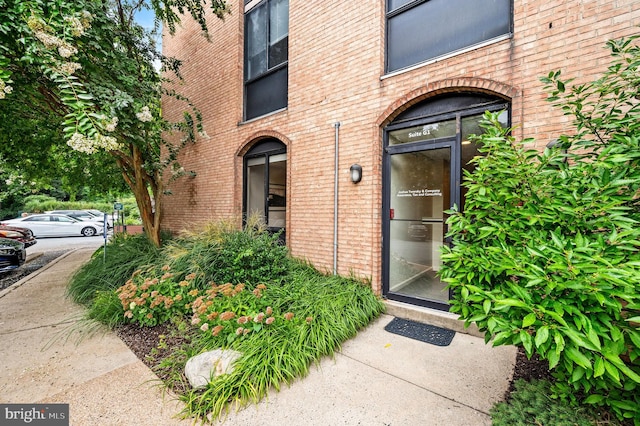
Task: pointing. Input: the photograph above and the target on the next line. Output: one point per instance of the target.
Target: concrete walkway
(378, 378)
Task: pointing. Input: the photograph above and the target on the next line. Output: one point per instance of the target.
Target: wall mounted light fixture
(356, 173)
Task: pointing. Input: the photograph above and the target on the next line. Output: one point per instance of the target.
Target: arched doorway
(265, 184)
(425, 150)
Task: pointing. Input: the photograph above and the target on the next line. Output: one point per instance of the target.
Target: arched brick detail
(259, 136)
(451, 85)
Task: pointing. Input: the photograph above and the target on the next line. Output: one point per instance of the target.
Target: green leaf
(528, 320)
(635, 338)
(542, 335)
(578, 373)
(527, 342)
(486, 306)
(617, 362)
(504, 337)
(612, 371)
(553, 358)
(579, 339)
(512, 302)
(576, 356)
(555, 316)
(84, 96)
(594, 399)
(593, 338)
(598, 367)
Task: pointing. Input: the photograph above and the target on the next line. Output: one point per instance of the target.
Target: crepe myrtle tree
(89, 62)
(546, 255)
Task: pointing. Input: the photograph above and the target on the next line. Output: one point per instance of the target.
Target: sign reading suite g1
(34, 414)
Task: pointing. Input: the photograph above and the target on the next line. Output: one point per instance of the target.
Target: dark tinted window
(266, 56)
(428, 29)
(37, 219)
(266, 94)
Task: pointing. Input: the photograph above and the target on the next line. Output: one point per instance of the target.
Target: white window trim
(251, 5)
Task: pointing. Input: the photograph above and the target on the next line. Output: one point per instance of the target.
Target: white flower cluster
(111, 126)
(87, 145)
(44, 33)
(68, 68)
(86, 18)
(144, 115)
(77, 25)
(49, 40)
(4, 89)
(108, 143)
(66, 50)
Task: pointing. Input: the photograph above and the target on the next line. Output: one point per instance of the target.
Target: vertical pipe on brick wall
(335, 201)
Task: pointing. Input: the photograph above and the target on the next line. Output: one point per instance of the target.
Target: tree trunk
(150, 216)
(144, 186)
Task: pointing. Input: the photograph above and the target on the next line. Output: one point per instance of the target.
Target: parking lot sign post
(119, 207)
(104, 233)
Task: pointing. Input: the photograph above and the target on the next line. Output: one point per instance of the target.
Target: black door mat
(424, 332)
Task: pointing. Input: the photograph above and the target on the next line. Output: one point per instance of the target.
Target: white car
(56, 225)
(85, 215)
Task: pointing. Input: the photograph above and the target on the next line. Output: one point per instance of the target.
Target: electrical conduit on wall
(335, 201)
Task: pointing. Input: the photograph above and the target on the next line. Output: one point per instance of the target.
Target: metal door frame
(455, 144)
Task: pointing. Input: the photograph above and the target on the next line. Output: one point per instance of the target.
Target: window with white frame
(423, 30)
(266, 54)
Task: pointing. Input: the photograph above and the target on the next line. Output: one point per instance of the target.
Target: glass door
(427, 149)
(265, 187)
(419, 193)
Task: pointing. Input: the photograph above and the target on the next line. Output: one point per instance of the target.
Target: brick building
(297, 94)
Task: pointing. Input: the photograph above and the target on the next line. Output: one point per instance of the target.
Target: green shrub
(286, 316)
(532, 404)
(43, 203)
(106, 309)
(546, 254)
(221, 253)
(312, 315)
(125, 253)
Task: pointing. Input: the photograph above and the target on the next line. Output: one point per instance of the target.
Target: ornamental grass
(224, 288)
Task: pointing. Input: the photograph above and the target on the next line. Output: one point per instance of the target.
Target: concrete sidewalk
(378, 378)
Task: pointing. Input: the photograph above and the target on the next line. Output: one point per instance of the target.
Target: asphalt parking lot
(45, 251)
(65, 243)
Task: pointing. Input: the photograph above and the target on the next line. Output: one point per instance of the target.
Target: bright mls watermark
(34, 414)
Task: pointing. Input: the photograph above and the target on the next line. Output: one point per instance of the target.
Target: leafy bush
(547, 252)
(220, 253)
(286, 316)
(312, 315)
(43, 203)
(125, 253)
(531, 404)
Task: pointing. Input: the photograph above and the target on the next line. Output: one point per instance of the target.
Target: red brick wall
(336, 74)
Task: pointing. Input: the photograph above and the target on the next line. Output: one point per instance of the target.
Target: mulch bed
(144, 341)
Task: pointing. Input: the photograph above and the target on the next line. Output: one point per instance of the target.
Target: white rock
(201, 368)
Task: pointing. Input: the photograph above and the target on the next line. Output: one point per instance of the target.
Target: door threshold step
(430, 316)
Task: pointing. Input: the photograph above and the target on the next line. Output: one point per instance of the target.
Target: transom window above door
(422, 30)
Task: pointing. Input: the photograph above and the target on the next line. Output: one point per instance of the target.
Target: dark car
(23, 235)
(12, 254)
